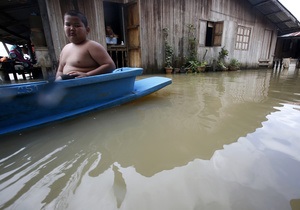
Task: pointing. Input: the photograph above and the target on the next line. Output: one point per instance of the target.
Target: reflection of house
(248, 29)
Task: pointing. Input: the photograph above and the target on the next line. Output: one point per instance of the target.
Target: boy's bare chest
(78, 57)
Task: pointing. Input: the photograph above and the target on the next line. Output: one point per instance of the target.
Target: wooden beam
(47, 32)
(12, 33)
(5, 46)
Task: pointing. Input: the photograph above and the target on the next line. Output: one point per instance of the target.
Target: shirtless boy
(81, 57)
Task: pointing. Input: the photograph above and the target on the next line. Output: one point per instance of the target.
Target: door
(133, 35)
(266, 45)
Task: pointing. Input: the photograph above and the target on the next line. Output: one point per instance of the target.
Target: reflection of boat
(31, 104)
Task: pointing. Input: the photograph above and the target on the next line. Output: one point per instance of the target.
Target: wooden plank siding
(173, 14)
(176, 14)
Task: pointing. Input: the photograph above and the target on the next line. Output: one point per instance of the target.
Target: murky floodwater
(217, 141)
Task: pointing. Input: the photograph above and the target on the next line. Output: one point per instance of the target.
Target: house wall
(176, 14)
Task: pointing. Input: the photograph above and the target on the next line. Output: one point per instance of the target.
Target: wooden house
(248, 29)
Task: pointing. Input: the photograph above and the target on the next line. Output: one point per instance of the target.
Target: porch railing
(119, 55)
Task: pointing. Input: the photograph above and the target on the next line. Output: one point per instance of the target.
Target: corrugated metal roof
(291, 35)
(276, 13)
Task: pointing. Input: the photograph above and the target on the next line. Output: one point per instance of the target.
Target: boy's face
(75, 30)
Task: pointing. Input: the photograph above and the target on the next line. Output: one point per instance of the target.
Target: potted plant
(202, 66)
(192, 42)
(193, 66)
(176, 65)
(192, 63)
(168, 52)
(203, 63)
(233, 65)
(221, 59)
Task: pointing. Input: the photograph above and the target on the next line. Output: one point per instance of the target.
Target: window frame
(243, 36)
(213, 33)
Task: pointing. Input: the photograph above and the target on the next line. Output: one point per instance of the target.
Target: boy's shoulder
(92, 42)
(89, 43)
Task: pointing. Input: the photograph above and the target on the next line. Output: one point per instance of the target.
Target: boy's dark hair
(78, 14)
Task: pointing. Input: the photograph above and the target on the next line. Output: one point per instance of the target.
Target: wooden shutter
(133, 35)
(218, 31)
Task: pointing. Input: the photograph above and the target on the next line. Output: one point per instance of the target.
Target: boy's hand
(78, 74)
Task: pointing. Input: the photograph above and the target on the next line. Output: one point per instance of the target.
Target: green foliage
(192, 62)
(192, 42)
(203, 63)
(168, 54)
(168, 49)
(221, 59)
(221, 66)
(223, 54)
(234, 64)
(193, 65)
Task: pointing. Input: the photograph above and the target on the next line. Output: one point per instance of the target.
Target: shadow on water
(223, 140)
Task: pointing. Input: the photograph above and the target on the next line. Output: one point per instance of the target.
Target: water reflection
(210, 141)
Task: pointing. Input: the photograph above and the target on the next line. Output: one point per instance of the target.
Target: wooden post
(47, 32)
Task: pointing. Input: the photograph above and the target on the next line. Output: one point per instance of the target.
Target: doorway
(115, 33)
(266, 45)
(123, 41)
(114, 18)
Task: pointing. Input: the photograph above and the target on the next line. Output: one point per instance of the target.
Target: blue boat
(32, 104)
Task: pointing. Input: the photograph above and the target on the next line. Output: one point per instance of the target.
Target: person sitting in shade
(110, 33)
(16, 54)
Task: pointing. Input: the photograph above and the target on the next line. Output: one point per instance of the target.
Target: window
(214, 32)
(242, 38)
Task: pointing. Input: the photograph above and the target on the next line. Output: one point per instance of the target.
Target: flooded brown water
(211, 141)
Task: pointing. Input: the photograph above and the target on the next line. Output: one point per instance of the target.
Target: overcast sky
(293, 6)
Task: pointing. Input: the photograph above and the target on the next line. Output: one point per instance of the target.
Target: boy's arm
(101, 56)
(59, 71)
